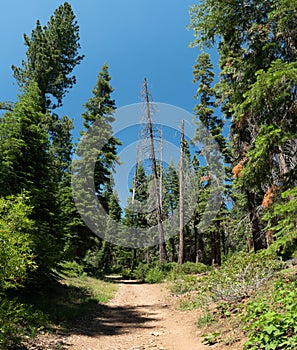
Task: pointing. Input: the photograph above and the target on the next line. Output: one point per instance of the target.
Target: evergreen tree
(99, 113)
(27, 165)
(52, 54)
(209, 123)
(170, 206)
(171, 190)
(207, 97)
(136, 214)
(92, 171)
(257, 89)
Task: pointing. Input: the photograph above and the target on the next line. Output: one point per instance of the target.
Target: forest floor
(139, 317)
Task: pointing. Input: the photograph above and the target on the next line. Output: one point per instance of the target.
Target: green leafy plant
(72, 269)
(140, 272)
(154, 275)
(205, 319)
(184, 285)
(272, 322)
(17, 321)
(211, 338)
(224, 309)
(240, 276)
(16, 241)
(194, 268)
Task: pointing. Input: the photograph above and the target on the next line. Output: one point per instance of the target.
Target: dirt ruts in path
(141, 316)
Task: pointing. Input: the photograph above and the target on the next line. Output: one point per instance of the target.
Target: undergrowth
(251, 294)
(271, 322)
(59, 304)
(156, 272)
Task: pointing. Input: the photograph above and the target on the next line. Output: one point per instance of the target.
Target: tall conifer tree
(52, 54)
(257, 48)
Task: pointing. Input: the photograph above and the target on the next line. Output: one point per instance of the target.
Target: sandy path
(140, 316)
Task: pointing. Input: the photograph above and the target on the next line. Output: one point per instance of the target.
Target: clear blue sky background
(137, 38)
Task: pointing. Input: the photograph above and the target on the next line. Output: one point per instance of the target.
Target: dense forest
(42, 229)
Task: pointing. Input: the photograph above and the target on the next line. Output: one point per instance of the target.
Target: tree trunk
(181, 198)
(216, 247)
(198, 239)
(258, 242)
(162, 246)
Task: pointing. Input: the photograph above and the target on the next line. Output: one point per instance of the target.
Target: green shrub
(184, 285)
(240, 276)
(156, 272)
(16, 322)
(127, 273)
(154, 275)
(272, 321)
(93, 263)
(191, 268)
(204, 320)
(72, 269)
(211, 338)
(140, 272)
(16, 242)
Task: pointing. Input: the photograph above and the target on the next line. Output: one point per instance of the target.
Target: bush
(72, 269)
(272, 322)
(191, 268)
(156, 272)
(16, 322)
(93, 263)
(16, 242)
(184, 285)
(241, 275)
(205, 320)
(154, 275)
(141, 271)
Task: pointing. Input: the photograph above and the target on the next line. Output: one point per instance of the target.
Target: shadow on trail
(71, 310)
(114, 320)
(122, 280)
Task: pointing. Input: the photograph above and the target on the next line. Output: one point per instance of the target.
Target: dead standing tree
(150, 135)
(181, 195)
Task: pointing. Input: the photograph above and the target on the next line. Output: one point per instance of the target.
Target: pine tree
(209, 128)
(257, 90)
(136, 215)
(97, 154)
(26, 164)
(171, 189)
(52, 54)
(170, 206)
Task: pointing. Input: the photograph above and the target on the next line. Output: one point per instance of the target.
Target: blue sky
(137, 38)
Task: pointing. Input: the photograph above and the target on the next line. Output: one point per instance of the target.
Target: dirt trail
(140, 316)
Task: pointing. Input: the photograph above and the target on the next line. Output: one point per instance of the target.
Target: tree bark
(258, 242)
(162, 246)
(181, 197)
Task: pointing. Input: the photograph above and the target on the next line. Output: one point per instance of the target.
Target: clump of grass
(205, 319)
(184, 285)
(93, 290)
